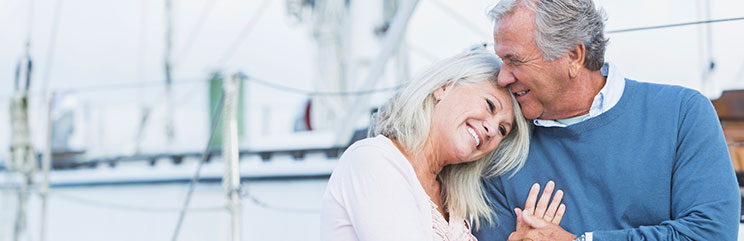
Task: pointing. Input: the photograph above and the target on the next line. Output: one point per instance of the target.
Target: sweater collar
(607, 97)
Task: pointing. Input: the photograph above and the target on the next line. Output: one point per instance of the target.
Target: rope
(127, 207)
(258, 202)
(247, 29)
(215, 120)
(674, 25)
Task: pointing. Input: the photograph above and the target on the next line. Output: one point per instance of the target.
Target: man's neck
(578, 98)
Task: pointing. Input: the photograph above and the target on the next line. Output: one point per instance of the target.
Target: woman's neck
(427, 165)
(425, 162)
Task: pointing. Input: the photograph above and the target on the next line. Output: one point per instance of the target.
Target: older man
(637, 161)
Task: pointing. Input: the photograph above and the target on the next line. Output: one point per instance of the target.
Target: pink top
(458, 229)
(373, 194)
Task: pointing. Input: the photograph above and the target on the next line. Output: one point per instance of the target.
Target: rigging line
(674, 25)
(315, 93)
(215, 119)
(185, 98)
(30, 27)
(741, 73)
(117, 87)
(51, 48)
(710, 65)
(206, 9)
(142, 46)
(247, 29)
(126, 207)
(152, 107)
(475, 28)
(265, 205)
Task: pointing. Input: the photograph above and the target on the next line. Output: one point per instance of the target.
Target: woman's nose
(489, 127)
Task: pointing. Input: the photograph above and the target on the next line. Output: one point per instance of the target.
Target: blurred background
(108, 106)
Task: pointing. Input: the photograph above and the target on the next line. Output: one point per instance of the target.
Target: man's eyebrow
(512, 57)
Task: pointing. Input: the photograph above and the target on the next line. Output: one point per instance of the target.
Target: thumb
(533, 221)
(520, 221)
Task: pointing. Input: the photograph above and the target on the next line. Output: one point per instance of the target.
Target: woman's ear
(439, 93)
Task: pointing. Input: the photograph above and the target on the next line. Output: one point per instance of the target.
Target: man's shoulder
(664, 92)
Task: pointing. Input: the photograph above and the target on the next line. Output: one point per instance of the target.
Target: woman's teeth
(475, 136)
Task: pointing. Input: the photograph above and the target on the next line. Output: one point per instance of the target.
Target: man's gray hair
(560, 25)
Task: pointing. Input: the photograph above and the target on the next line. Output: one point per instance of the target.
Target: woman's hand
(540, 221)
(550, 212)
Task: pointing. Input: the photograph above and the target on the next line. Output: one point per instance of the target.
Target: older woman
(419, 176)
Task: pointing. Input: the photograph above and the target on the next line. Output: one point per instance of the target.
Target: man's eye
(515, 61)
(491, 107)
(502, 130)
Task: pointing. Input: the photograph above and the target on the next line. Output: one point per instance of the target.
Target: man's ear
(439, 93)
(576, 59)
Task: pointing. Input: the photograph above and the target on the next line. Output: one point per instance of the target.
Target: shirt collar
(607, 97)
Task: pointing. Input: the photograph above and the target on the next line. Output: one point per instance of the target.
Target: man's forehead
(513, 32)
(518, 20)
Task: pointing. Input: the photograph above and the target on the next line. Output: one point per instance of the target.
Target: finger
(542, 205)
(520, 223)
(533, 221)
(529, 205)
(550, 213)
(559, 214)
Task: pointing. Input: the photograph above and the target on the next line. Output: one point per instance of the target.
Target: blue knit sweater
(654, 167)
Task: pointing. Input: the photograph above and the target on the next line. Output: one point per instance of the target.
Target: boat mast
(22, 154)
(230, 153)
(330, 30)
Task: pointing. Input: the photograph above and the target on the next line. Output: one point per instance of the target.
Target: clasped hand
(540, 219)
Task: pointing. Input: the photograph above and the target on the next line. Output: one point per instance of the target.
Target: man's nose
(505, 77)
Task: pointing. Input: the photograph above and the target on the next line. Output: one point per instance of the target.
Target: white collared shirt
(607, 97)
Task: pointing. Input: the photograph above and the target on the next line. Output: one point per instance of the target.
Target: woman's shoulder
(372, 153)
(378, 144)
(373, 163)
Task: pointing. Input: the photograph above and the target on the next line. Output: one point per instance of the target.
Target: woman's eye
(491, 107)
(502, 130)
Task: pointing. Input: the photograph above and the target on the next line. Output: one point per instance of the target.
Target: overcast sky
(111, 45)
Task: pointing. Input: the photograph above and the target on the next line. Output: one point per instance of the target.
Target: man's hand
(541, 231)
(539, 221)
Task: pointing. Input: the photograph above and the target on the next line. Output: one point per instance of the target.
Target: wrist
(580, 237)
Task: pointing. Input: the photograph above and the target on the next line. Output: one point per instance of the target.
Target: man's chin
(530, 114)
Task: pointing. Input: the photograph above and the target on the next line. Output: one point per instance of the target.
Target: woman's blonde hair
(406, 118)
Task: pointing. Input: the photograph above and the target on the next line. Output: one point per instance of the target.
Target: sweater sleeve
(379, 199)
(705, 197)
(504, 218)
